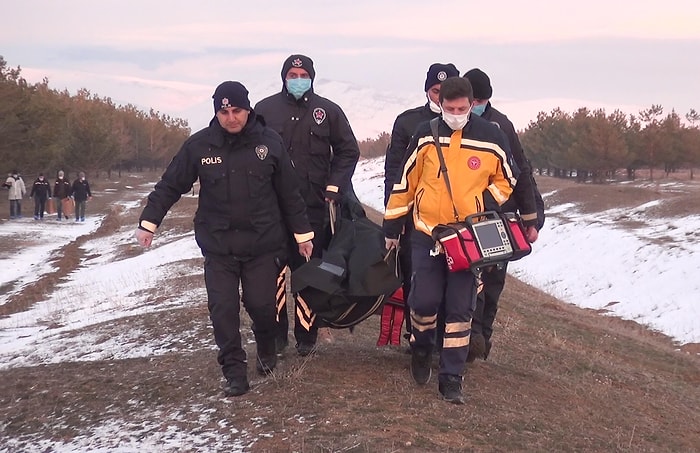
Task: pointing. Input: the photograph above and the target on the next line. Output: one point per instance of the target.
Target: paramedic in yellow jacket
(477, 158)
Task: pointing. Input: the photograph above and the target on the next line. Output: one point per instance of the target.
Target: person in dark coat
(404, 127)
(525, 199)
(61, 191)
(80, 191)
(249, 200)
(41, 191)
(319, 139)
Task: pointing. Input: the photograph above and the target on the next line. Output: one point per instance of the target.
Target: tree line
(46, 130)
(590, 145)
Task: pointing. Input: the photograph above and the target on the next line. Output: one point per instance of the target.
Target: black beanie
(481, 84)
(438, 73)
(231, 94)
(298, 61)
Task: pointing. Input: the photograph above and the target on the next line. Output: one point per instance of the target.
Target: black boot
(420, 365)
(267, 356)
(487, 349)
(451, 388)
(236, 386)
(477, 347)
(266, 365)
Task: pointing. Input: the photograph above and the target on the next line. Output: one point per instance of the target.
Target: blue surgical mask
(478, 109)
(297, 87)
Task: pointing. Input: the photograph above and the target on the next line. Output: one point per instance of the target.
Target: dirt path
(558, 379)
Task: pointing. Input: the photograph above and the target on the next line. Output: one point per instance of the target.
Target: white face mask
(433, 106)
(455, 122)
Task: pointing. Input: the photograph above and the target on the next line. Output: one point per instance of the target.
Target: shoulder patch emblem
(474, 163)
(261, 152)
(496, 124)
(319, 115)
(442, 76)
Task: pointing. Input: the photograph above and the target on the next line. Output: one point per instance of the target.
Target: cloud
(189, 26)
(170, 55)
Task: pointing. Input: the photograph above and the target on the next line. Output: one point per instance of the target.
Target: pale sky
(539, 54)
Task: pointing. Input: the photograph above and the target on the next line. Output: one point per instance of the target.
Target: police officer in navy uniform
(324, 150)
(525, 199)
(249, 202)
(61, 191)
(41, 191)
(404, 127)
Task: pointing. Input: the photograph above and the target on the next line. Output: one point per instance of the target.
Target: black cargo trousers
(493, 281)
(257, 277)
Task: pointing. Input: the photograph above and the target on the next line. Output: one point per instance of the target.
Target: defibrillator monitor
(493, 239)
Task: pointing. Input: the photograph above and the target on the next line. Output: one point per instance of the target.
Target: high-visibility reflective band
(455, 327)
(281, 306)
(330, 188)
(304, 313)
(402, 185)
(396, 212)
(497, 194)
(150, 226)
(301, 303)
(281, 294)
(527, 217)
(423, 323)
(455, 342)
(423, 319)
(305, 323)
(424, 327)
(303, 237)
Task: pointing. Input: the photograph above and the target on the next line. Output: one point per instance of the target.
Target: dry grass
(558, 379)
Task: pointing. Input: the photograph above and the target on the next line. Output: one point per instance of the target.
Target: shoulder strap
(443, 166)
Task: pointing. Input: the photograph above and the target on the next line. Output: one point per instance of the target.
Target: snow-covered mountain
(370, 111)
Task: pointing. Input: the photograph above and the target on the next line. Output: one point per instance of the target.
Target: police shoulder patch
(261, 151)
(319, 115)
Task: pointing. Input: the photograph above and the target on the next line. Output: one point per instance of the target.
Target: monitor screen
(488, 235)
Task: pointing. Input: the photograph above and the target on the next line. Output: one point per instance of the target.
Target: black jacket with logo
(41, 189)
(319, 139)
(404, 127)
(61, 188)
(525, 196)
(249, 190)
